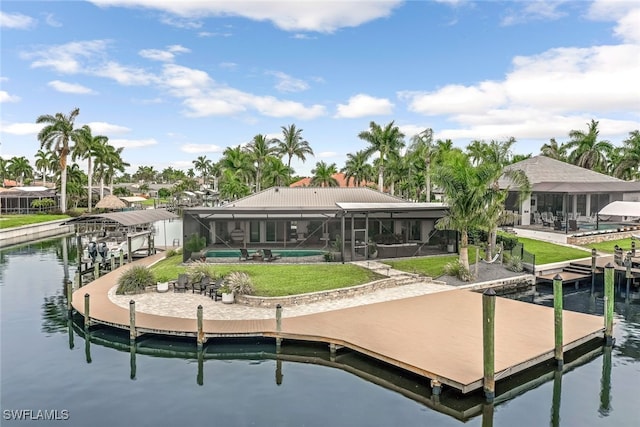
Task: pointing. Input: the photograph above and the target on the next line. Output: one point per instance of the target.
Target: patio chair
(557, 224)
(269, 256)
(573, 225)
(214, 289)
(181, 283)
(244, 255)
(200, 286)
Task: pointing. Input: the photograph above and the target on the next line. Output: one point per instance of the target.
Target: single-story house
(19, 200)
(313, 216)
(562, 190)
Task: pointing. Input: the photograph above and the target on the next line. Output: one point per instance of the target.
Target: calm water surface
(46, 364)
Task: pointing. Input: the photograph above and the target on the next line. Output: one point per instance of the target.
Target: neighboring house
(339, 177)
(18, 200)
(306, 216)
(566, 190)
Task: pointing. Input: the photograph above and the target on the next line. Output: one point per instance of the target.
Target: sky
(174, 80)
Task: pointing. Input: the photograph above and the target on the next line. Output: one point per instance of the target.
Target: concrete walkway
(185, 304)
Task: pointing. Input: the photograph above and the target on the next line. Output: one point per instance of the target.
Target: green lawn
(272, 280)
(547, 253)
(431, 266)
(9, 221)
(607, 247)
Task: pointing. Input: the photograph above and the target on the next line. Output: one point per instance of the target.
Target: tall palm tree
(113, 163)
(422, 147)
(465, 192)
(323, 175)
(476, 151)
(56, 135)
(589, 152)
(76, 182)
(383, 141)
(232, 186)
(357, 168)
(4, 171)
(86, 147)
(20, 169)
(43, 162)
(554, 151)
(292, 144)
(629, 165)
(238, 161)
(260, 148)
(276, 173)
(202, 165)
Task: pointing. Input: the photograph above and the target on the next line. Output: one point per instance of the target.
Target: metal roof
(11, 194)
(128, 218)
(391, 207)
(587, 187)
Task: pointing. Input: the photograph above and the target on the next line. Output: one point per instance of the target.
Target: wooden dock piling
(96, 270)
(69, 298)
(87, 319)
(594, 269)
(278, 325)
(557, 310)
(200, 337)
(121, 258)
(132, 321)
(608, 303)
(488, 343)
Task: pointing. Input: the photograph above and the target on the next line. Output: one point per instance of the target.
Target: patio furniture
(244, 255)
(573, 225)
(214, 289)
(181, 283)
(557, 224)
(200, 286)
(269, 256)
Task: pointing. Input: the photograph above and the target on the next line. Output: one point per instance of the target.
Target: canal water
(49, 370)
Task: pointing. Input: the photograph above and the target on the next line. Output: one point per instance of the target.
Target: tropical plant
(357, 168)
(202, 165)
(260, 149)
(422, 147)
(20, 169)
(232, 187)
(135, 280)
(292, 144)
(629, 165)
(588, 151)
(554, 151)
(276, 173)
(76, 184)
(323, 175)
(199, 270)
(383, 141)
(86, 147)
(458, 269)
(195, 244)
(56, 136)
(43, 162)
(239, 283)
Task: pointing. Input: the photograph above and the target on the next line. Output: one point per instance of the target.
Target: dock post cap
(278, 306)
(87, 295)
(557, 277)
(609, 265)
(132, 302)
(593, 251)
(489, 292)
(200, 307)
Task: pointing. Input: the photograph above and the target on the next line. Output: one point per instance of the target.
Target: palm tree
(276, 173)
(357, 168)
(476, 151)
(629, 165)
(465, 192)
(76, 182)
(421, 147)
(232, 186)
(20, 169)
(112, 163)
(293, 144)
(554, 151)
(238, 161)
(86, 148)
(588, 152)
(56, 135)
(43, 162)
(191, 173)
(202, 165)
(260, 148)
(323, 175)
(4, 172)
(383, 141)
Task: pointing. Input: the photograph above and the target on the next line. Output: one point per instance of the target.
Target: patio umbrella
(111, 202)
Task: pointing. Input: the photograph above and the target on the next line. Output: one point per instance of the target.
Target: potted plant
(227, 294)
(236, 283)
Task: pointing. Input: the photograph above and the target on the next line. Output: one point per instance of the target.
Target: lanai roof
(549, 175)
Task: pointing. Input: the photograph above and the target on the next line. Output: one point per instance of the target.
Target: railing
(528, 259)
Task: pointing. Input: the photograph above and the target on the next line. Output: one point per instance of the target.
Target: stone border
(272, 302)
(510, 283)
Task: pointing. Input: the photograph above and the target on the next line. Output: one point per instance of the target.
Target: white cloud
(362, 105)
(52, 21)
(104, 128)
(74, 88)
(16, 21)
(127, 76)
(132, 143)
(167, 55)
(326, 154)
(454, 99)
(21, 128)
(534, 10)
(67, 58)
(201, 148)
(6, 97)
(287, 83)
(289, 16)
(228, 65)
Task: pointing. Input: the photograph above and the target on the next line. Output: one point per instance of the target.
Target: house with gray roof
(566, 191)
(299, 217)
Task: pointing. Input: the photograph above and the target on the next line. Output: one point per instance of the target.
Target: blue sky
(173, 80)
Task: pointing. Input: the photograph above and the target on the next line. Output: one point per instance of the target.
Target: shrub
(172, 252)
(199, 270)
(135, 280)
(457, 269)
(508, 242)
(239, 283)
(515, 264)
(195, 243)
(328, 256)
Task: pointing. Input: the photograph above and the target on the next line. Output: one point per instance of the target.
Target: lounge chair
(244, 255)
(181, 283)
(269, 256)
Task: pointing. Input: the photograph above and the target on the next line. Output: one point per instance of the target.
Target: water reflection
(557, 396)
(605, 383)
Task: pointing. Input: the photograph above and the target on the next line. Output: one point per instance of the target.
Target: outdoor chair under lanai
(269, 256)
